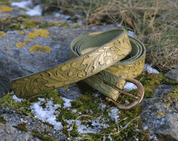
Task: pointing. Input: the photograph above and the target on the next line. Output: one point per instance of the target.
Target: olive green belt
(104, 60)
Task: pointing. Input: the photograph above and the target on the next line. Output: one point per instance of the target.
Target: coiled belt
(104, 60)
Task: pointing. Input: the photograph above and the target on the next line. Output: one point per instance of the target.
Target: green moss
(74, 131)
(15, 26)
(30, 24)
(3, 120)
(76, 26)
(151, 80)
(52, 94)
(22, 9)
(21, 23)
(24, 106)
(46, 25)
(64, 25)
(84, 103)
(65, 114)
(43, 136)
(173, 95)
(50, 125)
(25, 16)
(22, 126)
(8, 101)
(5, 2)
(69, 115)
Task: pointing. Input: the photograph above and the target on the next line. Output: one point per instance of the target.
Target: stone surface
(12, 14)
(56, 18)
(161, 117)
(172, 74)
(13, 134)
(71, 92)
(36, 2)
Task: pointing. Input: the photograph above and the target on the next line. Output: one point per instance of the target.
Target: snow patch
(46, 114)
(67, 102)
(150, 69)
(17, 99)
(36, 11)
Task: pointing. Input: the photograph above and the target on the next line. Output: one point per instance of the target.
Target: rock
(13, 134)
(14, 118)
(75, 17)
(36, 2)
(20, 61)
(160, 117)
(70, 92)
(8, 70)
(12, 14)
(172, 74)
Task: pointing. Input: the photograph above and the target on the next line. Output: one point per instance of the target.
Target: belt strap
(98, 58)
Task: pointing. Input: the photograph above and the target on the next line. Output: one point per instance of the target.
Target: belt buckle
(138, 98)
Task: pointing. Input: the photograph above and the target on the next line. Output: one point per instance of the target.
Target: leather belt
(104, 60)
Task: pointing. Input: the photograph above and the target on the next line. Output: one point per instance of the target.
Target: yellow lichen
(35, 48)
(20, 44)
(9, 60)
(55, 36)
(159, 114)
(5, 8)
(21, 32)
(29, 40)
(41, 32)
(2, 34)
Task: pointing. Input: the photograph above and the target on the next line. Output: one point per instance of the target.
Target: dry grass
(154, 21)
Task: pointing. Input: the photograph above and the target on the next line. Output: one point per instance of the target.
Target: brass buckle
(138, 98)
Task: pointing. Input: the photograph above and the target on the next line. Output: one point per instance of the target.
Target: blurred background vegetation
(155, 22)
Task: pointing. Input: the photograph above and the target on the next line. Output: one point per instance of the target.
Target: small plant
(5, 2)
(174, 94)
(74, 131)
(43, 136)
(3, 120)
(22, 126)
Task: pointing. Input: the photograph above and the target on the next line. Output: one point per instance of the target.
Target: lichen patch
(28, 40)
(2, 34)
(6, 8)
(36, 48)
(43, 33)
(159, 114)
(20, 44)
(21, 32)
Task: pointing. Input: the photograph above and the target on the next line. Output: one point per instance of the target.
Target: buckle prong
(123, 92)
